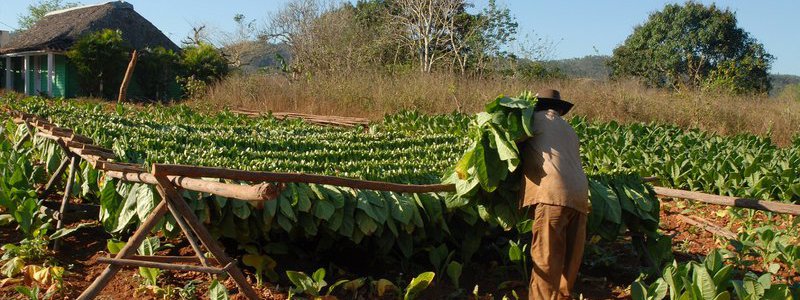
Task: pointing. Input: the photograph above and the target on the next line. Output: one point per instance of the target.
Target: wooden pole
(259, 192)
(73, 167)
(159, 265)
(708, 226)
(195, 171)
(56, 176)
(123, 89)
(772, 206)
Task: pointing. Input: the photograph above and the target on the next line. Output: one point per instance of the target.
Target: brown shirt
(551, 163)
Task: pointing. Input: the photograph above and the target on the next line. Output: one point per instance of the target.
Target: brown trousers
(559, 234)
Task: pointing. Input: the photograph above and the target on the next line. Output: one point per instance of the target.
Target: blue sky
(577, 28)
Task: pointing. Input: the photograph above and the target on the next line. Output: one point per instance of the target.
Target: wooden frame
(193, 230)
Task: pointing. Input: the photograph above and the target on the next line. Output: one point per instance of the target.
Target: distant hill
(596, 67)
(592, 66)
(257, 55)
(780, 81)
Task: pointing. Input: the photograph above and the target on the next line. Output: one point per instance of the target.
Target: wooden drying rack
(169, 179)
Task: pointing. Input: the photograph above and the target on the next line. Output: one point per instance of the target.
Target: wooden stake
(123, 89)
(708, 226)
(56, 176)
(772, 206)
(73, 167)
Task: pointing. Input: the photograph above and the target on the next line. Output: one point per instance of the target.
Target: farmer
(556, 186)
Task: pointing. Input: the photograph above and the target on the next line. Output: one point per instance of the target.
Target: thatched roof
(57, 31)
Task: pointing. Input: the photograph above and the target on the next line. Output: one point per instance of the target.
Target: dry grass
(373, 94)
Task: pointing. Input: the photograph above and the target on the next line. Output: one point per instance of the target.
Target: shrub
(156, 71)
(202, 64)
(100, 59)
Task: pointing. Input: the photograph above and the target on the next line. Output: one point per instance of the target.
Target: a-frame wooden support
(194, 231)
(69, 159)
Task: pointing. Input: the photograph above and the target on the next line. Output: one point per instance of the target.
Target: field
(403, 236)
(624, 101)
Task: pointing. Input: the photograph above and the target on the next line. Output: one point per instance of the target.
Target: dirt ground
(597, 281)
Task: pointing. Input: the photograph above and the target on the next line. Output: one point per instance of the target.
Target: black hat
(552, 98)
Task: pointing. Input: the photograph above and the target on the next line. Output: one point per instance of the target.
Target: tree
(38, 9)
(428, 25)
(495, 28)
(100, 59)
(291, 26)
(155, 71)
(695, 46)
(198, 36)
(239, 42)
(201, 64)
(204, 62)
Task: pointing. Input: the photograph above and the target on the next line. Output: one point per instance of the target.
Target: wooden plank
(172, 259)
(80, 138)
(651, 179)
(47, 136)
(195, 171)
(159, 265)
(318, 119)
(93, 152)
(105, 165)
(76, 144)
(772, 206)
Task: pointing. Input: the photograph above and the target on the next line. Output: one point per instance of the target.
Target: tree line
(682, 46)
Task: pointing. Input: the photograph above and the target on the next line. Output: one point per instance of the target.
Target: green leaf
(148, 248)
(638, 291)
(109, 206)
(217, 291)
(418, 284)
(454, 272)
(129, 209)
(241, 209)
(6, 219)
(527, 121)
(723, 296)
(145, 201)
(704, 282)
(402, 209)
(12, 267)
(514, 252)
(301, 281)
(67, 231)
(506, 151)
(324, 209)
(319, 275)
(114, 246)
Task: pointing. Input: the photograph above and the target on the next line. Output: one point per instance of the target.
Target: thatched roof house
(34, 59)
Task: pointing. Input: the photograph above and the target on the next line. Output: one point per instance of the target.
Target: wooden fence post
(123, 89)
